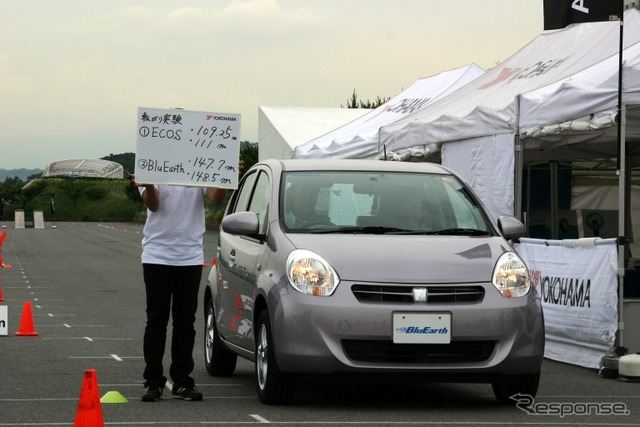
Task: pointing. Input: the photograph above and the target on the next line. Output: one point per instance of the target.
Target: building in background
(84, 168)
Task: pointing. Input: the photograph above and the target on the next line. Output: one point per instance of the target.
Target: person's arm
(150, 195)
(216, 195)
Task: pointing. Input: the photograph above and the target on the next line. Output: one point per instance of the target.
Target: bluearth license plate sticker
(422, 328)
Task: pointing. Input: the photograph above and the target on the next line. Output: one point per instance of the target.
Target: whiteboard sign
(191, 148)
(4, 319)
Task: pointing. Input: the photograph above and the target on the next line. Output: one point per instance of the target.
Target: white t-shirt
(173, 234)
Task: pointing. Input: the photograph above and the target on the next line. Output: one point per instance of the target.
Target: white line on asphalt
(66, 325)
(90, 357)
(259, 418)
(87, 338)
(66, 338)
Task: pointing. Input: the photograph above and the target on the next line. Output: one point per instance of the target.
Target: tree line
(64, 198)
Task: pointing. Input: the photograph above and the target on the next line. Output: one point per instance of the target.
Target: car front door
(238, 258)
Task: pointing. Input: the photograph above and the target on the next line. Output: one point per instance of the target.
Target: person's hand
(132, 178)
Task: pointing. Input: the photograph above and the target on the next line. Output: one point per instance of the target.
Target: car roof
(293, 165)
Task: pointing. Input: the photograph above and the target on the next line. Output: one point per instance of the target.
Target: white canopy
(552, 96)
(490, 105)
(359, 138)
(576, 117)
(281, 129)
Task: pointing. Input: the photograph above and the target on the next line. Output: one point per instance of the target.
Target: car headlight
(310, 274)
(511, 276)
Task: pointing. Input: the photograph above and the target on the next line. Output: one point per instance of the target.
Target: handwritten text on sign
(192, 148)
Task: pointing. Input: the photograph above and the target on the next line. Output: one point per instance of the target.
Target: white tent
(359, 138)
(545, 102)
(281, 129)
(490, 104)
(578, 114)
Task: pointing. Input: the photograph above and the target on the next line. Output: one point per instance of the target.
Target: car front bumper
(496, 336)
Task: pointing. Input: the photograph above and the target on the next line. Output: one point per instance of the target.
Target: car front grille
(404, 294)
(389, 352)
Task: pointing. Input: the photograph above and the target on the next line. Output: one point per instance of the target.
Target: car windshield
(379, 203)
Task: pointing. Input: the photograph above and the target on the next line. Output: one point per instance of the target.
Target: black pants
(170, 289)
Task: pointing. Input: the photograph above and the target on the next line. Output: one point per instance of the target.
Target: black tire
(219, 361)
(274, 387)
(523, 385)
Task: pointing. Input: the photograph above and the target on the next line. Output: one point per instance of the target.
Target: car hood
(408, 259)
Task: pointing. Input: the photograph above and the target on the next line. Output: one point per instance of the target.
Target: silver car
(369, 267)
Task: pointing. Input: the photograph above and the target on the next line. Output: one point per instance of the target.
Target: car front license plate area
(421, 328)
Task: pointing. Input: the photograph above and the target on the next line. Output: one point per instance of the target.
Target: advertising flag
(560, 13)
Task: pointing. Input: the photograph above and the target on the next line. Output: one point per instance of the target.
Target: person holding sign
(172, 260)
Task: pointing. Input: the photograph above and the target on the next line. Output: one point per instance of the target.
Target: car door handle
(232, 255)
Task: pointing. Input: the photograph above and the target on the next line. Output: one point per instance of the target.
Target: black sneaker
(152, 394)
(186, 393)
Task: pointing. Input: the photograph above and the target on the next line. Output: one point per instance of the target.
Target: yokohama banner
(577, 284)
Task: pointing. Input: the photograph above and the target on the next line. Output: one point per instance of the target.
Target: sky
(74, 72)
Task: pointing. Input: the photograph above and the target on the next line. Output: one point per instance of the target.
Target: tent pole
(622, 206)
(518, 179)
(519, 162)
(553, 191)
(622, 181)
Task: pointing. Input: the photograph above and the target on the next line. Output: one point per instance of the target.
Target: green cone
(113, 397)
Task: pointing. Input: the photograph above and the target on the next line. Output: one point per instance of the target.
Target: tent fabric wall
(487, 164)
(281, 129)
(359, 139)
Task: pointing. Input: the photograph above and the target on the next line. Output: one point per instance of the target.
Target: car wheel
(218, 360)
(523, 385)
(274, 386)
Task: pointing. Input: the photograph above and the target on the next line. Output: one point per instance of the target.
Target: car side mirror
(241, 223)
(511, 228)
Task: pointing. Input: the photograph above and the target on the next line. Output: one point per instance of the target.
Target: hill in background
(248, 150)
(23, 174)
(127, 160)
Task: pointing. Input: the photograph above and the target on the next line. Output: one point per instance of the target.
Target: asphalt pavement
(83, 283)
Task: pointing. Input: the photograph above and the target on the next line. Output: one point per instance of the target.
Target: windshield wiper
(360, 230)
(462, 232)
(400, 231)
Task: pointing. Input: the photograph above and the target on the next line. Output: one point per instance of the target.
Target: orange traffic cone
(26, 322)
(3, 236)
(2, 264)
(89, 412)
